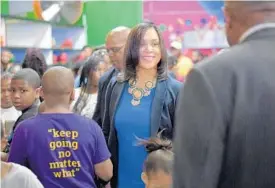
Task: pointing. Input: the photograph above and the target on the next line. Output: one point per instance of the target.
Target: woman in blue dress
(139, 103)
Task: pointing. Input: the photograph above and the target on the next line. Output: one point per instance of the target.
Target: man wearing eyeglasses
(115, 43)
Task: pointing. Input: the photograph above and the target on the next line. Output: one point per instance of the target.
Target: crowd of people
(128, 116)
(76, 117)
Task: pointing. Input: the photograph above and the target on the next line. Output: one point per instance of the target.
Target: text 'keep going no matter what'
(65, 166)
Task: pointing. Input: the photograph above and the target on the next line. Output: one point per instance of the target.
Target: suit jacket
(102, 86)
(225, 120)
(162, 115)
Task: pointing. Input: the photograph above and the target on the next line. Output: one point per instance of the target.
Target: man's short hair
(29, 76)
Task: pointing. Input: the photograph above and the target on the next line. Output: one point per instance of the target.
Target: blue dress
(132, 122)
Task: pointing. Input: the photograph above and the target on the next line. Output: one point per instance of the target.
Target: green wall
(102, 16)
(4, 7)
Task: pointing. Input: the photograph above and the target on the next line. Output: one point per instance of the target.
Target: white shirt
(9, 117)
(255, 29)
(89, 108)
(20, 177)
(10, 114)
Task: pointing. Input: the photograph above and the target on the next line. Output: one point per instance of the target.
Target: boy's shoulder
(30, 112)
(26, 120)
(89, 122)
(68, 120)
(27, 115)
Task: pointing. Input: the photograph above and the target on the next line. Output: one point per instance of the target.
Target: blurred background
(64, 29)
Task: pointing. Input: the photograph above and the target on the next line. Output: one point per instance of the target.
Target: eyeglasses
(114, 50)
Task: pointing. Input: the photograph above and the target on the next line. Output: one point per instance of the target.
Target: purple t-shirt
(61, 149)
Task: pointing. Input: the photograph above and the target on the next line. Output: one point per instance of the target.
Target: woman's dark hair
(160, 155)
(131, 54)
(76, 67)
(35, 60)
(90, 65)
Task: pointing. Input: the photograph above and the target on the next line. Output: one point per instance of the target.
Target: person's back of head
(88, 50)
(242, 15)
(172, 61)
(35, 60)
(57, 87)
(157, 169)
(25, 85)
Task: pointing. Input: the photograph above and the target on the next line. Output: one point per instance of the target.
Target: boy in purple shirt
(63, 149)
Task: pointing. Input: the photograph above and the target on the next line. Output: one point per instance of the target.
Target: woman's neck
(146, 74)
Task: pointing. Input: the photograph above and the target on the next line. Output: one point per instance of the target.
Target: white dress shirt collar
(255, 29)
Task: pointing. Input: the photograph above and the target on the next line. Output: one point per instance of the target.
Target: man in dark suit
(115, 43)
(225, 122)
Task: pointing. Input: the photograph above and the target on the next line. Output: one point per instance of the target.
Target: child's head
(25, 86)
(89, 78)
(5, 90)
(157, 170)
(91, 71)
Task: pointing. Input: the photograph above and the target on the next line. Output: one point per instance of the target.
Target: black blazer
(225, 123)
(162, 115)
(102, 86)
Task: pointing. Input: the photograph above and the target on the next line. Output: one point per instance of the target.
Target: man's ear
(39, 92)
(72, 97)
(144, 178)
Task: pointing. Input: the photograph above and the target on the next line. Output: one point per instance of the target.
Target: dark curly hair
(35, 60)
